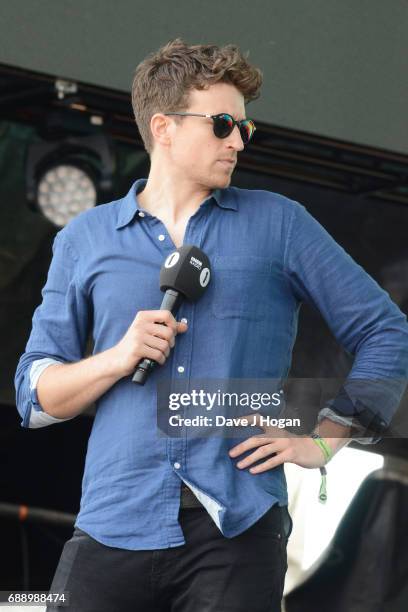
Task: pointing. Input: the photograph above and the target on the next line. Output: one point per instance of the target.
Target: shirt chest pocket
(241, 286)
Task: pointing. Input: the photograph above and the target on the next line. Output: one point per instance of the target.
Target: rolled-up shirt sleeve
(59, 331)
(360, 314)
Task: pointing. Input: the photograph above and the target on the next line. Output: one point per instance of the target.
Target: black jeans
(209, 573)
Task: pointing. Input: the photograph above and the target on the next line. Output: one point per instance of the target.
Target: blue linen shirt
(268, 254)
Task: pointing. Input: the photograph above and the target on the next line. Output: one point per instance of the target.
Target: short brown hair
(163, 80)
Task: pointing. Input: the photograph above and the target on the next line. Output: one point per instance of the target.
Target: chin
(221, 182)
(226, 182)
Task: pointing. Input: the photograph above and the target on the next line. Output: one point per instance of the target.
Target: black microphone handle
(171, 301)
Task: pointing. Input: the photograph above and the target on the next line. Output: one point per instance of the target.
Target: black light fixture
(67, 176)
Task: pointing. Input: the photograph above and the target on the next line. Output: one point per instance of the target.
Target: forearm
(66, 390)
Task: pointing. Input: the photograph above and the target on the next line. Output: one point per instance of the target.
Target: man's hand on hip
(284, 447)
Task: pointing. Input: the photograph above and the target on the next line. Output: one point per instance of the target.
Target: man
(144, 542)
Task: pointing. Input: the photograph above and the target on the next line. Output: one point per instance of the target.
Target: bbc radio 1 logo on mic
(196, 262)
(172, 259)
(205, 272)
(204, 277)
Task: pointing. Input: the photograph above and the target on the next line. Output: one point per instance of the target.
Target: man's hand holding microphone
(151, 335)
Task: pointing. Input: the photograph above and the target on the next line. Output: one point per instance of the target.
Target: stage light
(64, 191)
(66, 177)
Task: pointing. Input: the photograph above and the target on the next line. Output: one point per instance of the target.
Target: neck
(171, 196)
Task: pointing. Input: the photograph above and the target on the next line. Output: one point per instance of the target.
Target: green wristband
(328, 454)
(322, 444)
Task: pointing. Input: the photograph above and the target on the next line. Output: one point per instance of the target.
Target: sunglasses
(223, 124)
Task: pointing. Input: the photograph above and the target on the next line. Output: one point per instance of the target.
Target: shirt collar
(129, 204)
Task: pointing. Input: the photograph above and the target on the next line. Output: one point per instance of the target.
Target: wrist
(324, 446)
(335, 434)
(112, 363)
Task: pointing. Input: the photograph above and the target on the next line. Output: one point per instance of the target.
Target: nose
(235, 139)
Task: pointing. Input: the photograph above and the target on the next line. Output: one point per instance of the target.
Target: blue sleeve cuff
(34, 400)
(347, 422)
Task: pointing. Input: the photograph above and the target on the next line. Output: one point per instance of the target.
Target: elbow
(31, 410)
(385, 347)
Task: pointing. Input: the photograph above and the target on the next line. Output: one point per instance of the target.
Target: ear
(161, 127)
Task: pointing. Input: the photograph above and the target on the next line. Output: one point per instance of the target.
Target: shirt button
(141, 213)
(180, 369)
(177, 466)
(161, 237)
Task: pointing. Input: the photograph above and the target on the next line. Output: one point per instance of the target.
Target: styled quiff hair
(164, 79)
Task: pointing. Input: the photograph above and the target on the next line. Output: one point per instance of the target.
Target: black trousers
(209, 573)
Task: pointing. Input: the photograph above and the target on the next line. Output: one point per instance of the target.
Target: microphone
(185, 274)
